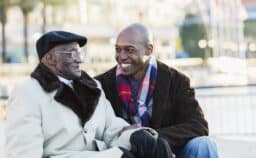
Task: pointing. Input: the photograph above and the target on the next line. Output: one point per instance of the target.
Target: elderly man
(61, 112)
(146, 92)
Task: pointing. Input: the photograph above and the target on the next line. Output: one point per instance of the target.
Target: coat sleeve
(24, 136)
(189, 118)
(113, 126)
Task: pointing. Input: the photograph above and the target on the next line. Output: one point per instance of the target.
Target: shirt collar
(66, 81)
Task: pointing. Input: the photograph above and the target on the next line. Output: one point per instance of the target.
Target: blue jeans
(199, 147)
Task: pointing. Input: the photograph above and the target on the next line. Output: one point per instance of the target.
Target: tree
(51, 3)
(249, 29)
(3, 18)
(26, 7)
(4, 5)
(192, 31)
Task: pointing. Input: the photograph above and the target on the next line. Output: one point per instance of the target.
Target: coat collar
(163, 83)
(82, 99)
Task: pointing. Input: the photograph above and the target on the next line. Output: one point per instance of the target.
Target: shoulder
(108, 74)
(30, 85)
(27, 92)
(173, 73)
(99, 86)
(25, 99)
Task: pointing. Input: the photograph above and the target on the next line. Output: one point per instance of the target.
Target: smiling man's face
(130, 51)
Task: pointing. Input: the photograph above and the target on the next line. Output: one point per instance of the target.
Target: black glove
(163, 149)
(126, 153)
(146, 145)
(143, 144)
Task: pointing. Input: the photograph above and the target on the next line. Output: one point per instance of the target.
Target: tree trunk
(3, 22)
(4, 59)
(25, 31)
(44, 18)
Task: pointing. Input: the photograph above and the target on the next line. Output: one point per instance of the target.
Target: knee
(199, 147)
(203, 143)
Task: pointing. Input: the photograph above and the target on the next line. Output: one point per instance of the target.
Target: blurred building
(250, 6)
(250, 25)
(100, 21)
(225, 26)
(104, 19)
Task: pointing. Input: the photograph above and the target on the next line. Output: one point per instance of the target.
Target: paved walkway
(236, 147)
(2, 140)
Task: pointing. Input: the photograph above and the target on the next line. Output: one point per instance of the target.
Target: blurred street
(2, 138)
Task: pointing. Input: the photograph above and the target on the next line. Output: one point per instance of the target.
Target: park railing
(230, 110)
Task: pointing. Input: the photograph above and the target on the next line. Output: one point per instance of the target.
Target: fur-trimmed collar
(82, 99)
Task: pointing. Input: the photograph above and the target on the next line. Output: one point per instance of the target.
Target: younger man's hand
(147, 145)
(143, 143)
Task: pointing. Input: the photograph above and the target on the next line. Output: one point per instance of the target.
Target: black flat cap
(51, 39)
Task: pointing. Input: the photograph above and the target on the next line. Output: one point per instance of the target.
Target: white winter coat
(38, 126)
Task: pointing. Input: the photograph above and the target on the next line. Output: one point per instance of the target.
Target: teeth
(125, 65)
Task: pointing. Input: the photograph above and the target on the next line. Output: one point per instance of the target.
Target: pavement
(236, 147)
(2, 140)
(228, 146)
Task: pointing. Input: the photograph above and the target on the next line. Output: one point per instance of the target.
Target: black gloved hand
(163, 149)
(126, 153)
(143, 144)
(146, 145)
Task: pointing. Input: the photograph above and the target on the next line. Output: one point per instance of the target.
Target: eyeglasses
(71, 54)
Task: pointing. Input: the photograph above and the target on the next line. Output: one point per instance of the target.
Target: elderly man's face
(130, 50)
(68, 59)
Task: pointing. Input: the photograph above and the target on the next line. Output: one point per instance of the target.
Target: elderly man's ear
(149, 50)
(49, 59)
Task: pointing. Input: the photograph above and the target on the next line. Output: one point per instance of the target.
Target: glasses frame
(71, 54)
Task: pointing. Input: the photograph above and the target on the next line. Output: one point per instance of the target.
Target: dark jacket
(176, 113)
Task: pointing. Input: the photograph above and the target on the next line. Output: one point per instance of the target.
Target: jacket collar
(163, 83)
(82, 99)
(48, 81)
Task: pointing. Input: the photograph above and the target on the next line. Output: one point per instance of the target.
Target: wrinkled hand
(146, 145)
